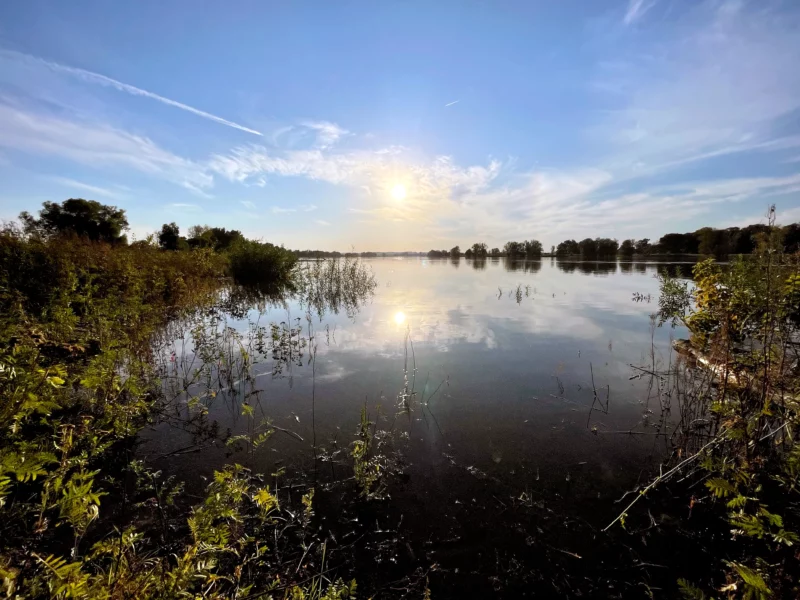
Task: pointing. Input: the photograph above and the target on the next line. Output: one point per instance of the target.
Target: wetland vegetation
(396, 428)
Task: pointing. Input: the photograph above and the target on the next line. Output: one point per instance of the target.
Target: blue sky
(296, 121)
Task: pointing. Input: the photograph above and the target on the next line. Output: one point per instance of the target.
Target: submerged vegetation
(735, 450)
(82, 316)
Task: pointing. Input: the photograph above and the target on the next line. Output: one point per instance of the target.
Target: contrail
(91, 77)
(451, 103)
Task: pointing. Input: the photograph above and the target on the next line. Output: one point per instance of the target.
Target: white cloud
(96, 78)
(308, 207)
(183, 206)
(248, 204)
(637, 9)
(327, 133)
(321, 222)
(92, 189)
(95, 145)
(279, 210)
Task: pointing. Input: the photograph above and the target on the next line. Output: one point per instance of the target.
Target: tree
(568, 248)
(479, 250)
(513, 249)
(678, 243)
(469, 253)
(495, 252)
(627, 248)
(170, 237)
(588, 248)
(552, 250)
(455, 252)
(791, 238)
(84, 218)
(218, 238)
(606, 247)
(643, 246)
(532, 248)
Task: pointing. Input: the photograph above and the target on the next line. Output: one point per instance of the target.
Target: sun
(399, 191)
(400, 317)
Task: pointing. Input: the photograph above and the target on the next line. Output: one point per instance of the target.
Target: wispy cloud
(327, 133)
(321, 222)
(92, 189)
(280, 210)
(94, 144)
(637, 9)
(248, 204)
(96, 78)
(183, 206)
(308, 207)
(451, 103)
(683, 100)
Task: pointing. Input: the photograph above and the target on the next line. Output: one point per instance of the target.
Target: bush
(254, 263)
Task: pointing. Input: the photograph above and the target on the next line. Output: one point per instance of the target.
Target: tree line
(88, 220)
(525, 249)
(706, 241)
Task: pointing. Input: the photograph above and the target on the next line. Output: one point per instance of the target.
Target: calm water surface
(500, 356)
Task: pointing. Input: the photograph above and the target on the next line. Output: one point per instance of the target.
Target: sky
(405, 125)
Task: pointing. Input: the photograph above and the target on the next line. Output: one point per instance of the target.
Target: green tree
(568, 248)
(479, 250)
(588, 248)
(627, 248)
(606, 247)
(679, 243)
(170, 237)
(455, 252)
(495, 252)
(218, 238)
(84, 218)
(643, 246)
(532, 248)
(791, 238)
(513, 249)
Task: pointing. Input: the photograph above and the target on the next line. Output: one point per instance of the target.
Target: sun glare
(399, 191)
(400, 318)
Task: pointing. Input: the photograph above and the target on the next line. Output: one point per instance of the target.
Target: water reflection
(511, 346)
(522, 264)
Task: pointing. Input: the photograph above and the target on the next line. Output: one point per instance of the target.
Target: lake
(499, 383)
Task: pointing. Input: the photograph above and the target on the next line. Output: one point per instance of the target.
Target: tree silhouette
(568, 248)
(455, 252)
(627, 248)
(588, 248)
(84, 218)
(170, 237)
(479, 250)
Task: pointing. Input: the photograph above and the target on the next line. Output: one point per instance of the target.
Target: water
(520, 383)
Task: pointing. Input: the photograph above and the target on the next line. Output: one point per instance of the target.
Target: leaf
(721, 488)
(689, 591)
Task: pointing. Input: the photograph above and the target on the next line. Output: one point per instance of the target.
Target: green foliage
(83, 218)
(627, 248)
(169, 238)
(689, 591)
(77, 382)
(253, 262)
(743, 319)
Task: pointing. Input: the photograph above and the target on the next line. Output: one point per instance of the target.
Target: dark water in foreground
(506, 361)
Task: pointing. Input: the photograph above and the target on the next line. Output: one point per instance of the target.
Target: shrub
(254, 263)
